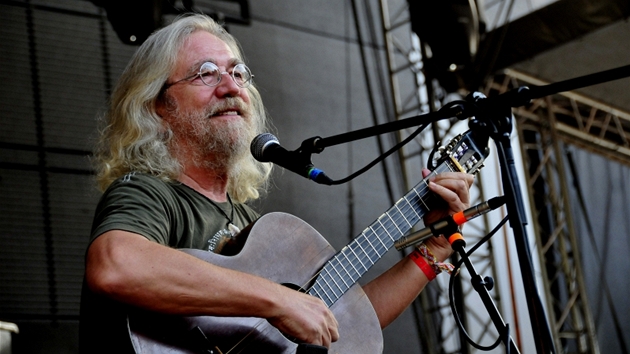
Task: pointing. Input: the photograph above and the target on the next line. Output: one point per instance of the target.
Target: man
(175, 163)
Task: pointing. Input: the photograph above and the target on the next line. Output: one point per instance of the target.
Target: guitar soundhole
(294, 287)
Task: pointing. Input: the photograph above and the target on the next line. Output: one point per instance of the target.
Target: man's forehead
(201, 47)
(229, 64)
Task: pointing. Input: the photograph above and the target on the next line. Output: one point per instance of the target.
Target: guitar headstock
(464, 152)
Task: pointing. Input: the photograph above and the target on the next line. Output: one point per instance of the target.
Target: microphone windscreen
(259, 143)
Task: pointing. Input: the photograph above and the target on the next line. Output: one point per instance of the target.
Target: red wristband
(421, 262)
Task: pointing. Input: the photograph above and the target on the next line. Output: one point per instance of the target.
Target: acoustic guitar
(286, 250)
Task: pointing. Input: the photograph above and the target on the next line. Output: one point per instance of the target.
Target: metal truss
(578, 120)
(543, 125)
(412, 94)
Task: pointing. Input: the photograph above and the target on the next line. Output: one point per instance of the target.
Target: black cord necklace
(233, 229)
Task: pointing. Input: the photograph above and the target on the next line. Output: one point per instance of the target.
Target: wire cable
(451, 295)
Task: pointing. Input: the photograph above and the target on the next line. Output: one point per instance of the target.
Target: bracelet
(437, 266)
(423, 264)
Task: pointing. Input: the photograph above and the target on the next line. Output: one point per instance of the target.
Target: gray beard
(215, 144)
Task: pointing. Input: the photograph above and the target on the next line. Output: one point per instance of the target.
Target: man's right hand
(306, 318)
(131, 269)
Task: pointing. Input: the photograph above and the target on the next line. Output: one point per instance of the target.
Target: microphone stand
(493, 119)
(482, 286)
(496, 121)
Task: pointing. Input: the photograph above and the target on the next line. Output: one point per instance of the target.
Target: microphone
(449, 224)
(266, 148)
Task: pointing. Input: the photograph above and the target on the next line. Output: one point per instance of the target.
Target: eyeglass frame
(231, 74)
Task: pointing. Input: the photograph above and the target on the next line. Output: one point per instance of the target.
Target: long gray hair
(134, 138)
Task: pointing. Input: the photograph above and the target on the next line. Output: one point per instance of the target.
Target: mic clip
(450, 224)
(307, 148)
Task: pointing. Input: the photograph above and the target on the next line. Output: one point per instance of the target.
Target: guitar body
(283, 249)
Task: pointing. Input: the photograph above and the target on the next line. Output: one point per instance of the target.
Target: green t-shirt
(171, 214)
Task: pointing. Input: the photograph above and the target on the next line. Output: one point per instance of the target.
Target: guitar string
(380, 251)
(424, 184)
(395, 219)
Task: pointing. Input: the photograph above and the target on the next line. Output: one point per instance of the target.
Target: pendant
(234, 230)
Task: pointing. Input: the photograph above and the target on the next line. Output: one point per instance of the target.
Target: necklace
(233, 229)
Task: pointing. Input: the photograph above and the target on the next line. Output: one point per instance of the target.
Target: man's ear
(160, 106)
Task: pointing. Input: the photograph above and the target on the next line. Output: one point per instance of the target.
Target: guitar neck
(345, 268)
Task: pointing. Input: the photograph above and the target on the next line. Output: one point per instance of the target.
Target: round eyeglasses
(211, 75)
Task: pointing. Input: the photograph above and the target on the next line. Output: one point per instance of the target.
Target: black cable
(394, 148)
(451, 293)
(368, 85)
(382, 83)
(381, 157)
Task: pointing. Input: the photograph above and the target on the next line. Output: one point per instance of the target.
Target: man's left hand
(453, 188)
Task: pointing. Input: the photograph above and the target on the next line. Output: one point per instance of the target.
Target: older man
(176, 170)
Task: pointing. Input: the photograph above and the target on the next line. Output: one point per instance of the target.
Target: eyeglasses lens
(211, 75)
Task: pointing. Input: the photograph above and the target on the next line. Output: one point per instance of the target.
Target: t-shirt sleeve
(134, 203)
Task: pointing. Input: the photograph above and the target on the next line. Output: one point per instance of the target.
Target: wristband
(422, 263)
(437, 266)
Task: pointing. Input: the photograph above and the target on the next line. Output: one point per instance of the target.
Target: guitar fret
(412, 217)
(385, 226)
(342, 279)
(396, 226)
(364, 252)
(330, 300)
(403, 215)
(327, 273)
(370, 242)
(313, 291)
(391, 238)
(420, 198)
(358, 258)
(353, 267)
(340, 269)
(378, 252)
(412, 209)
(335, 281)
(370, 250)
(406, 214)
(415, 215)
(343, 252)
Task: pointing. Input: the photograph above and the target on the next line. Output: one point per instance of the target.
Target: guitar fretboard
(345, 268)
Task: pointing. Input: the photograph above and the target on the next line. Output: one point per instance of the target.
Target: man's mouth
(232, 112)
(229, 107)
